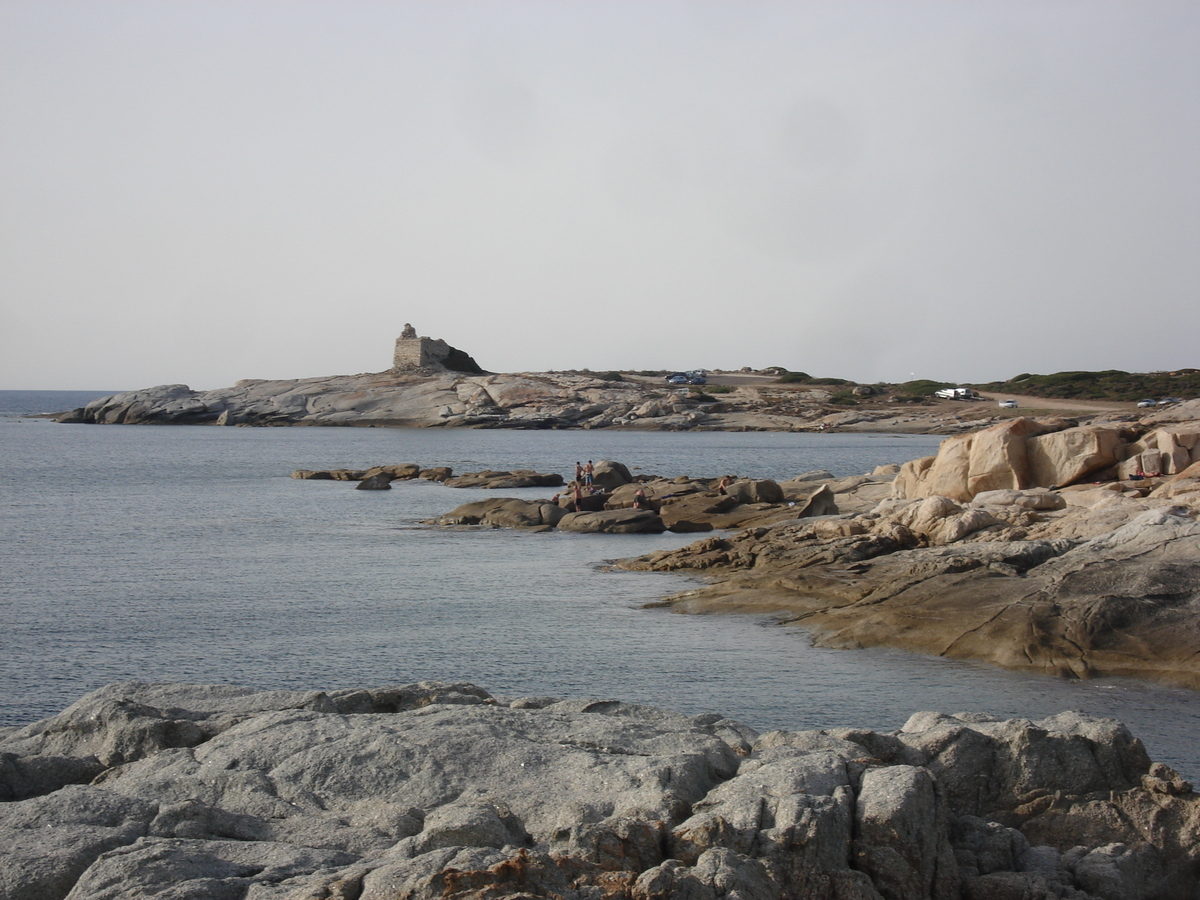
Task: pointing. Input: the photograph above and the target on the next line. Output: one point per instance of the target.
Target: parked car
(1008, 404)
(1143, 404)
(677, 378)
(696, 378)
(1165, 400)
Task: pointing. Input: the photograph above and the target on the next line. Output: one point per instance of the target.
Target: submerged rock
(435, 790)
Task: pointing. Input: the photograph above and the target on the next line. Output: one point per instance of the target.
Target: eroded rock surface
(1048, 453)
(1024, 579)
(442, 790)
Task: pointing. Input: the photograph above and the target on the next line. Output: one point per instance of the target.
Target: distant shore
(434, 398)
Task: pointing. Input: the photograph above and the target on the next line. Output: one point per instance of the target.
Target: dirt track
(1024, 402)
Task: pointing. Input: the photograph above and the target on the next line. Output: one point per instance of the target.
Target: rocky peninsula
(434, 790)
(433, 385)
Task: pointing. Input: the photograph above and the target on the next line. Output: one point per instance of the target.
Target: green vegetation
(1110, 384)
(805, 378)
(919, 391)
(720, 389)
(922, 387)
(844, 398)
(610, 376)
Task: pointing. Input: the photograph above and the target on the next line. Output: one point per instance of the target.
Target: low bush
(922, 387)
(1109, 384)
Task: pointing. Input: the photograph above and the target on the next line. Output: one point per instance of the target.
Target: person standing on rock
(588, 471)
(578, 472)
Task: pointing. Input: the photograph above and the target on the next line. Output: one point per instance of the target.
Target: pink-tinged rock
(1065, 457)
(998, 460)
(948, 476)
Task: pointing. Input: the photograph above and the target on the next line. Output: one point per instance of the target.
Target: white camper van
(957, 394)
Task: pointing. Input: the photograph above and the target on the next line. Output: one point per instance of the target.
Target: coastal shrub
(844, 398)
(720, 389)
(1108, 384)
(793, 377)
(610, 376)
(701, 397)
(922, 387)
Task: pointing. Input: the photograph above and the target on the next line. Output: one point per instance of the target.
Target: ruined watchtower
(414, 352)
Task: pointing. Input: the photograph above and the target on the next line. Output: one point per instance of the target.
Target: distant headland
(433, 384)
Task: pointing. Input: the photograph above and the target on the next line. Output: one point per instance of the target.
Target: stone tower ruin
(414, 352)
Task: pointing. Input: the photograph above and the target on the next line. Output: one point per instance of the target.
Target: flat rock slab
(614, 521)
(521, 478)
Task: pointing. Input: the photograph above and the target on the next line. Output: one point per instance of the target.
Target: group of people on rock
(585, 495)
(584, 474)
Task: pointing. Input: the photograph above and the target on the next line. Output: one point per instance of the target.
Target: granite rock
(438, 790)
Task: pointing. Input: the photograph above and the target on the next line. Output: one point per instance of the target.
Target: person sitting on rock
(723, 485)
(639, 500)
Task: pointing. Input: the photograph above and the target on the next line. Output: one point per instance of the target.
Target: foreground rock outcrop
(442, 790)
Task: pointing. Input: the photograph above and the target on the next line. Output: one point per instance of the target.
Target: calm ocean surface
(180, 553)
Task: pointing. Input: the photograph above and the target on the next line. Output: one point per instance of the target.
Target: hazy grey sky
(199, 192)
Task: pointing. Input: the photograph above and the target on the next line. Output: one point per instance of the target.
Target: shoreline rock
(1095, 582)
(436, 790)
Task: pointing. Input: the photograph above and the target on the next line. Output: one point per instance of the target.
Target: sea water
(177, 553)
